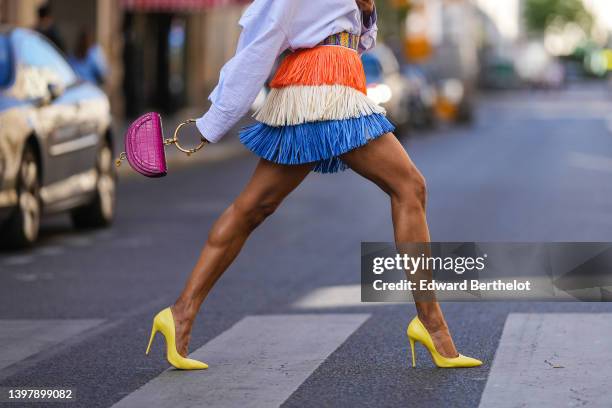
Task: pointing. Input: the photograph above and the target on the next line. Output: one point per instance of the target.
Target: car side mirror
(55, 90)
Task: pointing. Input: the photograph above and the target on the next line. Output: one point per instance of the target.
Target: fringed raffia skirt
(317, 108)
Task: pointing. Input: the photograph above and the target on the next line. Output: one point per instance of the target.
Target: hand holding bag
(144, 145)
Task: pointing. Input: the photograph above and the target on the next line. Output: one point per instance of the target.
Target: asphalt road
(534, 167)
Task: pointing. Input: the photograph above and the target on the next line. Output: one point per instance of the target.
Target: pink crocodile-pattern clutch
(144, 146)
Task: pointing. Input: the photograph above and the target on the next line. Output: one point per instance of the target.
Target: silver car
(55, 141)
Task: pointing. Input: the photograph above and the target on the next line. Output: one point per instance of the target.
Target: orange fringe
(322, 65)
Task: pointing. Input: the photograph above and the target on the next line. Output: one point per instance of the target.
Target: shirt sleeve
(262, 40)
(368, 32)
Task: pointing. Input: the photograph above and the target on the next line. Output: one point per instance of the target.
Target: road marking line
(552, 360)
(79, 241)
(339, 296)
(50, 251)
(259, 362)
(590, 162)
(17, 260)
(350, 296)
(333, 296)
(20, 339)
(34, 276)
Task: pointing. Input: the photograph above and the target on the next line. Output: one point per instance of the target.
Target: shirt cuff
(368, 20)
(212, 125)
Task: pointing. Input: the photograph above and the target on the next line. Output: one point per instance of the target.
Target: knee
(254, 212)
(411, 190)
(240, 218)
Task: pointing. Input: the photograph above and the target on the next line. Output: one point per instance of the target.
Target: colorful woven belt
(343, 39)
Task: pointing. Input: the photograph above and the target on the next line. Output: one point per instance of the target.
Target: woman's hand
(367, 6)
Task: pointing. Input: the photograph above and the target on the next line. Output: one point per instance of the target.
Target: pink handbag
(144, 145)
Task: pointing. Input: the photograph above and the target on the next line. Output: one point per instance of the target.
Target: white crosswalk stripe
(552, 360)
(333, 296)
(259, 362)
(20, 339)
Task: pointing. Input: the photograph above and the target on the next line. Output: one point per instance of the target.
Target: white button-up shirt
(269, 28)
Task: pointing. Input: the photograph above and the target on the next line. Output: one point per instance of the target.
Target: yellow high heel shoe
(164, 323)
(417, 332)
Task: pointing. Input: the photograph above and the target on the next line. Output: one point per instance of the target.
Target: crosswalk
(20, 339)
(257, 363)
(543, 359)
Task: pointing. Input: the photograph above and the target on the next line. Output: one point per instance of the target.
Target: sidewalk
(229, 147)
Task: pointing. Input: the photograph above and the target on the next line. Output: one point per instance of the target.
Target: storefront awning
(177, 5)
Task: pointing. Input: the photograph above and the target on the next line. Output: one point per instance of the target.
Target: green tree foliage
(392, 18)
(540, 14)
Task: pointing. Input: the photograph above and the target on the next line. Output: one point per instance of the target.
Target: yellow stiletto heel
(413, 356)
(164, 323)
(153, 333)
(417, 332)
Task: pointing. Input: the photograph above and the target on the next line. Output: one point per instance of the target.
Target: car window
(5, 61)
(372, 68)
(37, 55)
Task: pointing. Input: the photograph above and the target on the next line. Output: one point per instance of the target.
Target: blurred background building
(162, 54)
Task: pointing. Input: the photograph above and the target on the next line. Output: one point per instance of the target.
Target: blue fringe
(320, 142)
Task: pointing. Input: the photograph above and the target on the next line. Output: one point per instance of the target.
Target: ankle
(182, 312)
(433, 323)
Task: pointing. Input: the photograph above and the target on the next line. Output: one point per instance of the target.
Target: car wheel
(100, 212)
(21, 229)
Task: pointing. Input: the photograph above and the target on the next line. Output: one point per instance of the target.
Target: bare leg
(269, 185)
(385, 162)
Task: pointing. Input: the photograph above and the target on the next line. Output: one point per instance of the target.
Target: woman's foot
(438, 330)
(182, 329)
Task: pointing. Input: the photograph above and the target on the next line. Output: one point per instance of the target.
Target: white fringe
(294, 105)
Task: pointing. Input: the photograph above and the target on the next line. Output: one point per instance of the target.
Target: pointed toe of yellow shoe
(199, 365)
(460, 361)
(188, 364)
(469, 361)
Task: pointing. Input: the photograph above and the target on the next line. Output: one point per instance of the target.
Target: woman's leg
(268, 186)
(385, 162)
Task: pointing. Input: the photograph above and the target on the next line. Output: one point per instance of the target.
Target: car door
(58, 119)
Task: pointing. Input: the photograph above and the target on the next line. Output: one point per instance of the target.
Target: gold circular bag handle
(175, 140)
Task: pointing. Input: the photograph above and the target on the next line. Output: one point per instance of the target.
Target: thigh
(384, 161)
(272, 182)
